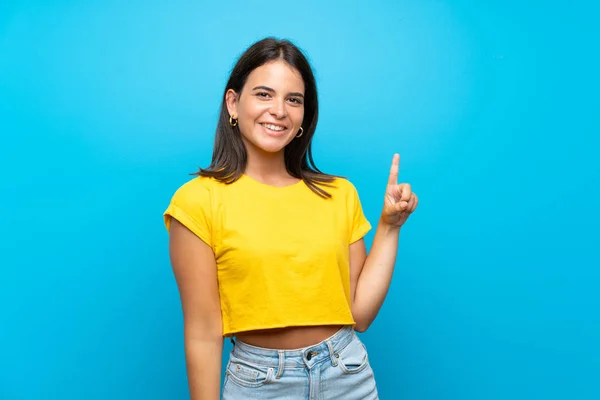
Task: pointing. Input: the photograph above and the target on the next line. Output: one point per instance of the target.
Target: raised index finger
(393, 180)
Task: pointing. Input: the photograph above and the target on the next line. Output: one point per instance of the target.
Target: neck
(264, 165)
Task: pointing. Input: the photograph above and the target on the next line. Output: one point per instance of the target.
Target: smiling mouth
(275, 128)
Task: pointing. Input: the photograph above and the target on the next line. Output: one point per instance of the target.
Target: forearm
(203, 360)
(376, 276)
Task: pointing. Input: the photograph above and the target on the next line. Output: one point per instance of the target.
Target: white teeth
(273, 127)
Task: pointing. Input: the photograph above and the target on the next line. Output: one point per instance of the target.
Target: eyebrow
(268, 89)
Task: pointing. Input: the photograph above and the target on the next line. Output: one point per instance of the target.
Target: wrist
(388, 228)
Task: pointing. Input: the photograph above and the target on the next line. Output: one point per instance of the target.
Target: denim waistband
(302, 357)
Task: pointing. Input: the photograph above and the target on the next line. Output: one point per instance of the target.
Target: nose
(278, 109)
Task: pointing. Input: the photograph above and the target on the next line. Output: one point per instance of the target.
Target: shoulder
(344, 187)
(191, 205)
(198, 189)
(200, 184)
(343, 183)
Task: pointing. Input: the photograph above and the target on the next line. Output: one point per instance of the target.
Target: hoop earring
(231, 121)
(301, 132)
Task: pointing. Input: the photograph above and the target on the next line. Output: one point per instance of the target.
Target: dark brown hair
(229, 154)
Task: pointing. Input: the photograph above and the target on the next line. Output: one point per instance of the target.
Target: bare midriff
(288, 338)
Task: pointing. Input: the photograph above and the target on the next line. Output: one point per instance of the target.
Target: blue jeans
(336, 368)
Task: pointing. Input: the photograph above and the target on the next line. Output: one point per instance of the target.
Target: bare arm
(371, 276)
(195, 271)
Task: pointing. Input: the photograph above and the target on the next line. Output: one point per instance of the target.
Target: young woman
(268, 249)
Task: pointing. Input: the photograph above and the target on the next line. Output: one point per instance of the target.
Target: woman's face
(270, 107)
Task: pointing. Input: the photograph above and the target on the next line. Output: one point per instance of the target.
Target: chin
(270, 144)
(271, 147)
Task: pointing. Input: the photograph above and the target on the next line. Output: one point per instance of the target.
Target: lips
(273, 127)
(274, 130)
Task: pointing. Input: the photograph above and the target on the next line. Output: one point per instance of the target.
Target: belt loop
(332, 354)
(281, 364)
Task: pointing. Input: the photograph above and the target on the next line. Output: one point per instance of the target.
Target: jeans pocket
(248, 374)
(353, 358)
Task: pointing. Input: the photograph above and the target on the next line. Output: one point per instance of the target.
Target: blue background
(106, 106)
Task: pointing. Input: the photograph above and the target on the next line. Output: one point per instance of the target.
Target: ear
(231, 99)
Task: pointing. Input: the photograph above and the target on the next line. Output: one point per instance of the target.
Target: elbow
(195, 332)
(361, 317)
(361, 326)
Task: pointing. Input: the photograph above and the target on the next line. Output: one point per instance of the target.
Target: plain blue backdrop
(106, 107)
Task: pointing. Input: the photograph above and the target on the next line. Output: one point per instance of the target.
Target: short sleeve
(191, 206)
(359, 225)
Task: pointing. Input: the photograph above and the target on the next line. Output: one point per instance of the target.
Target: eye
(296, 100)
(264, 95)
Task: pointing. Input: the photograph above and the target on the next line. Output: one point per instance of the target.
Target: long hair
(229, 156)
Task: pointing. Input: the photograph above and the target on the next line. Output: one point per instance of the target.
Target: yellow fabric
(282, 253)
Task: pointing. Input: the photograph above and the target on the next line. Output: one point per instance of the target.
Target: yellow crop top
(282, 253)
